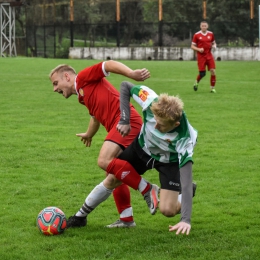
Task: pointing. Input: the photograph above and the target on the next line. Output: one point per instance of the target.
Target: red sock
(124, 172)
(212, 80)
(148, 186)
(127, 219)
(198, 78)
(122, 199)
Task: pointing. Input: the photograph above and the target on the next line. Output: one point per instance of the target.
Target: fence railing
(55, 40)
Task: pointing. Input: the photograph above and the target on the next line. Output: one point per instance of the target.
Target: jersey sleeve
(125, 94)
(194, 40)
(143, 95)
(186, 187)
(92, 73)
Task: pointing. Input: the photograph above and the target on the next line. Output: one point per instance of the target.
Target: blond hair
(62, 68)
(168, 107)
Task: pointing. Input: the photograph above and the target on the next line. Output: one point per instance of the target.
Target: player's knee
(103, 163)
(202, 74)
(111, 182)
(213, 72)
(168, 211)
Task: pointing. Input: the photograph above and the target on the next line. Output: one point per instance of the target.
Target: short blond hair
(168, 107)
(62, 68)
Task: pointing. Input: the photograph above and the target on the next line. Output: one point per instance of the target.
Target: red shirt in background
(204, 41)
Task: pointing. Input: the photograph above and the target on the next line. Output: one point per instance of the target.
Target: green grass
(43, 163)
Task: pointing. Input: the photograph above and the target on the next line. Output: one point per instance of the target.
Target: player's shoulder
(198, 32)
(209, 32)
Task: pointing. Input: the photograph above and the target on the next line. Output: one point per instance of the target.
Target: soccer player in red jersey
(102, 100)
(202, 42)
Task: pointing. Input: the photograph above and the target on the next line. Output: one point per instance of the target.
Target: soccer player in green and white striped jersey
(166, 143)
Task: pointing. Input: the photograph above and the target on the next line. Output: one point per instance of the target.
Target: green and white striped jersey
(176, 145)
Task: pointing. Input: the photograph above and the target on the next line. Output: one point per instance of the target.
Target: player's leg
(122, 200)
(125, 172)
(212, 69)
(99, 194)
(188, 190)
(111, 148)
(121, 194)
(169, 175)
(169, 204)
(129, 166)
(202, 72)
(102, 191)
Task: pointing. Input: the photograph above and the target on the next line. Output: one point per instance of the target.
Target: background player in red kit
(202, 42)
(102, 100)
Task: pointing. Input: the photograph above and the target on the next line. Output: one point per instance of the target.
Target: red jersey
(99, 95)
(203, 40)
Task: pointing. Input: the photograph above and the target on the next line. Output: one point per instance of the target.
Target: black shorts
(169, 173)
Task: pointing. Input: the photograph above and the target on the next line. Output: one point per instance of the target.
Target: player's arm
(186, 190)
(93, 127)
(124, 126)
(214, 45)
(120, 68)
(195, 48)
(184, 225)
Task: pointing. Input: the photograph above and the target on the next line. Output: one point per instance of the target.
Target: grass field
(43, 163)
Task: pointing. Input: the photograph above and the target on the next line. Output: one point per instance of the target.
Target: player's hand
(181, 227)
(140, 75)
(201, 50)
(123, 129)
(85, 139)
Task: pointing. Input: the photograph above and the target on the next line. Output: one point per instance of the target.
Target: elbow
(126, 85)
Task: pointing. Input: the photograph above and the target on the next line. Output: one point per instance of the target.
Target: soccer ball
(51, 221)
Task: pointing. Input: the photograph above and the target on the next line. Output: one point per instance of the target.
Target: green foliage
(150, 43)
(96, 19)
(238, 43)
(43, 163)
(62, 50)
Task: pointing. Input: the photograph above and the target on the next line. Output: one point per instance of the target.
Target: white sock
(127, 213)
(142, 185)
(99, 194)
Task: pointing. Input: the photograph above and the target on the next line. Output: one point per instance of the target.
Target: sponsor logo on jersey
(143, 94)
(124, 174)
(81, 92)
